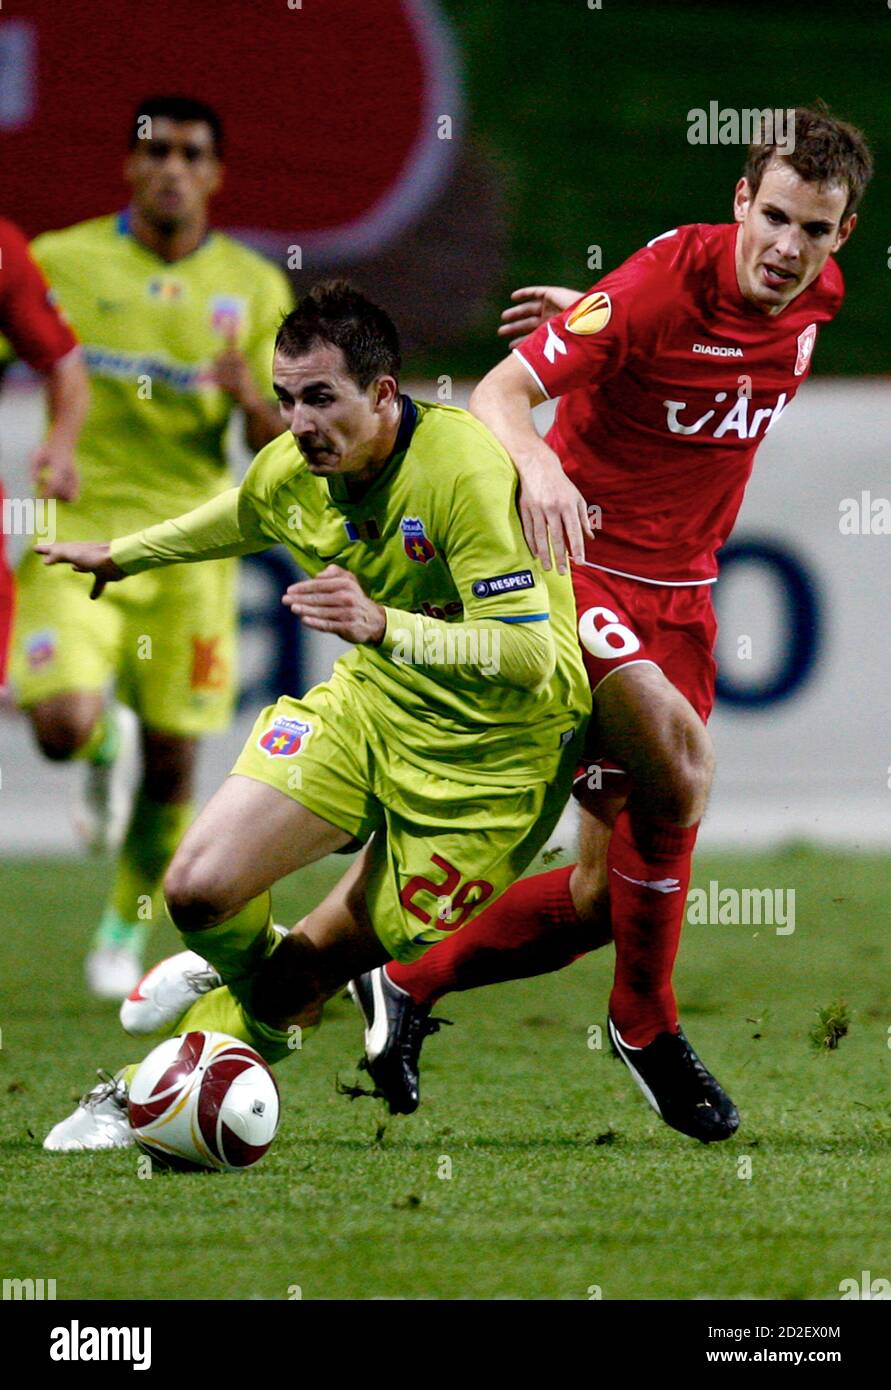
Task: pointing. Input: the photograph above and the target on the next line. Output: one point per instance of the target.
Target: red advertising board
(333, 109)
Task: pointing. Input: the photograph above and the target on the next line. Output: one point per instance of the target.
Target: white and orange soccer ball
(204, 1100)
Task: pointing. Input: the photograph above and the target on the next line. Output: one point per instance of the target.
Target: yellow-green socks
(220, 1012)
(236, 949)
(154, 832)
(102, 746)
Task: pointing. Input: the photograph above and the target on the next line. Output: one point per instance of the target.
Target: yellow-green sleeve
(522, 655)
(506, 636)
(226, 525)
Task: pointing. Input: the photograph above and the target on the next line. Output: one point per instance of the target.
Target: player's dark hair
(334, 312)
(827, 151)
(176, 109)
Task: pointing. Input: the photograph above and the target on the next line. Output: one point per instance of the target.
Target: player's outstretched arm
(85, 557)
(217, 530)
(531, 306)
(551, 508)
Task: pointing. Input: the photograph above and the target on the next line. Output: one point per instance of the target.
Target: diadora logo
(735, 421)
(712, 350)
(553, 345)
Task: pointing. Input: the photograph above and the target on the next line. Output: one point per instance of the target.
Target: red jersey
(28, 317)
(669, 379)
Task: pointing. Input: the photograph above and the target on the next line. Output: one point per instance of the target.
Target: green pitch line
(533, 1168)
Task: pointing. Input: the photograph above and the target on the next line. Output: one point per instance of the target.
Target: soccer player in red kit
(42, 338)
(669, 372)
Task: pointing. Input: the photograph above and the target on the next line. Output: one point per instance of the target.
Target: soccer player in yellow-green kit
(446, 739)
(178, 324)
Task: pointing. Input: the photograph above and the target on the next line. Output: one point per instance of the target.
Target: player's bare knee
(590, 890)
(168, 768)
(165, 786)
(60, 736)
(193, 894)
(680, 796)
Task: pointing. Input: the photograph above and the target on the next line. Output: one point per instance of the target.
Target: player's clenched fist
(232, 372)
(334, 602)
(86, 557)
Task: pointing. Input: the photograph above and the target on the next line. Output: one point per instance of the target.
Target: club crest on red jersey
(806, 342)
(418, 546)
(284, 737)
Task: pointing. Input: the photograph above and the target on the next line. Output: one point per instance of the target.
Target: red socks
(649, 873)
(532, 929)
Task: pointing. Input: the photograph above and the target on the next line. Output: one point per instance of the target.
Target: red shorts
(622, 621)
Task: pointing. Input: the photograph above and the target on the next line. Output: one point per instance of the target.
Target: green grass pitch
(562, 1181)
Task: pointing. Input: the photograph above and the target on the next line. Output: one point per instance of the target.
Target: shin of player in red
(532, 929)
(649, 872)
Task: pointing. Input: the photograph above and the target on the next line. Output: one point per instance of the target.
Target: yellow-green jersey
(480, 662)
(154, 441)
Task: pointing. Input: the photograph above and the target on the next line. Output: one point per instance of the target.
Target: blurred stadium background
(449, 154)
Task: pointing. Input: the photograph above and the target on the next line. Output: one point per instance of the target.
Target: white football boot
(167, 991)
(99, 1122)
(102, 809)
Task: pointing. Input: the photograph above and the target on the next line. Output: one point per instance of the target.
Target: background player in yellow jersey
(449, 734)
(178, 324)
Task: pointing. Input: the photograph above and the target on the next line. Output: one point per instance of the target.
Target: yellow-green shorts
(165, 638)
(442, 845)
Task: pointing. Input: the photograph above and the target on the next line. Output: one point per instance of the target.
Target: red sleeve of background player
(619, 316)
(28, 318)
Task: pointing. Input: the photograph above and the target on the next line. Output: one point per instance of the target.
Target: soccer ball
(204, 1100)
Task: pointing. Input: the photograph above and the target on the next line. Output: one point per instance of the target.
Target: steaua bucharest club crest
(417, 546)
(40, 648)
(806, 342)
(227, 313)
(284, 738)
